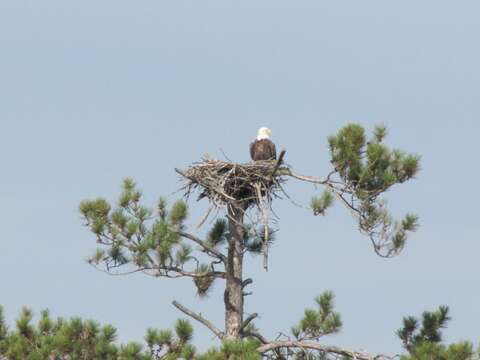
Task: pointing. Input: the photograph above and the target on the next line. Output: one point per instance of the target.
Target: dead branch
(311, 179)
(255, 335)
(275, 345)
(247, 282)
(205, 247)
(177, 272)
(166, 271)
(200, 319)
(248, 320)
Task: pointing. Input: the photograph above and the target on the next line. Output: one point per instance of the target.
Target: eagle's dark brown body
(263, 149)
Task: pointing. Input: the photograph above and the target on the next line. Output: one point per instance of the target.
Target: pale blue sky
(95, 91)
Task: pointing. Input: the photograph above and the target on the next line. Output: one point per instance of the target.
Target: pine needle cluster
(62, 338)
(234, 350)
(367, 169)
(423, 339)
(169, 345)
(320, 322)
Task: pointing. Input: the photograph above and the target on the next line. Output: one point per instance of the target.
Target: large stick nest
(227, 183)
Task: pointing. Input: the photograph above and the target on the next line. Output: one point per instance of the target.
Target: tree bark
(233, 296)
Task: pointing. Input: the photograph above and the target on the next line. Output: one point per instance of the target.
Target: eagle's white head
(264, 133)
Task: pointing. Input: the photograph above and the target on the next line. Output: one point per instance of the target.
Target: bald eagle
(262, 148)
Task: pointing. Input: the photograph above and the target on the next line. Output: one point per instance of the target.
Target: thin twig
(200, 224)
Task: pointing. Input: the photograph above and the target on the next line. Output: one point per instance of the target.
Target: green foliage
(58, 338)
(204, 283)
(320, 204)
(320, 322)
(178, 213)
(86, 339)
(423, 340)
(241, 350)
(234, 350)
(132, 234)
(164, 344)
(133, 351)
(188, 352)
(399, 237)
(347, 149)
(379, 133)
(218, 233)
(258, 238)
(412, 334)
(367, 169)
(183, 254)
(184, 331)
(3, 330)
(370, 166)
(435, 351)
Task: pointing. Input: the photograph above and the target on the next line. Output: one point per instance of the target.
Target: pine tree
(423, 340)
(134, 238)
(77, 339)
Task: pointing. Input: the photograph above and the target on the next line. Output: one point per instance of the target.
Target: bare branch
(312, 179)
(155, 272)
(126, 273)
(208, 249)
(181, 272)
(257, 336)
(246, 282)
(248, 320)
(275, 345)
(200, 224)
(199, 318)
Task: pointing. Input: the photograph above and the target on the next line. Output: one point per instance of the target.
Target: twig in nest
(226, 183)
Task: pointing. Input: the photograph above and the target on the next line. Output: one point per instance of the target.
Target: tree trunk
(234, 292)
